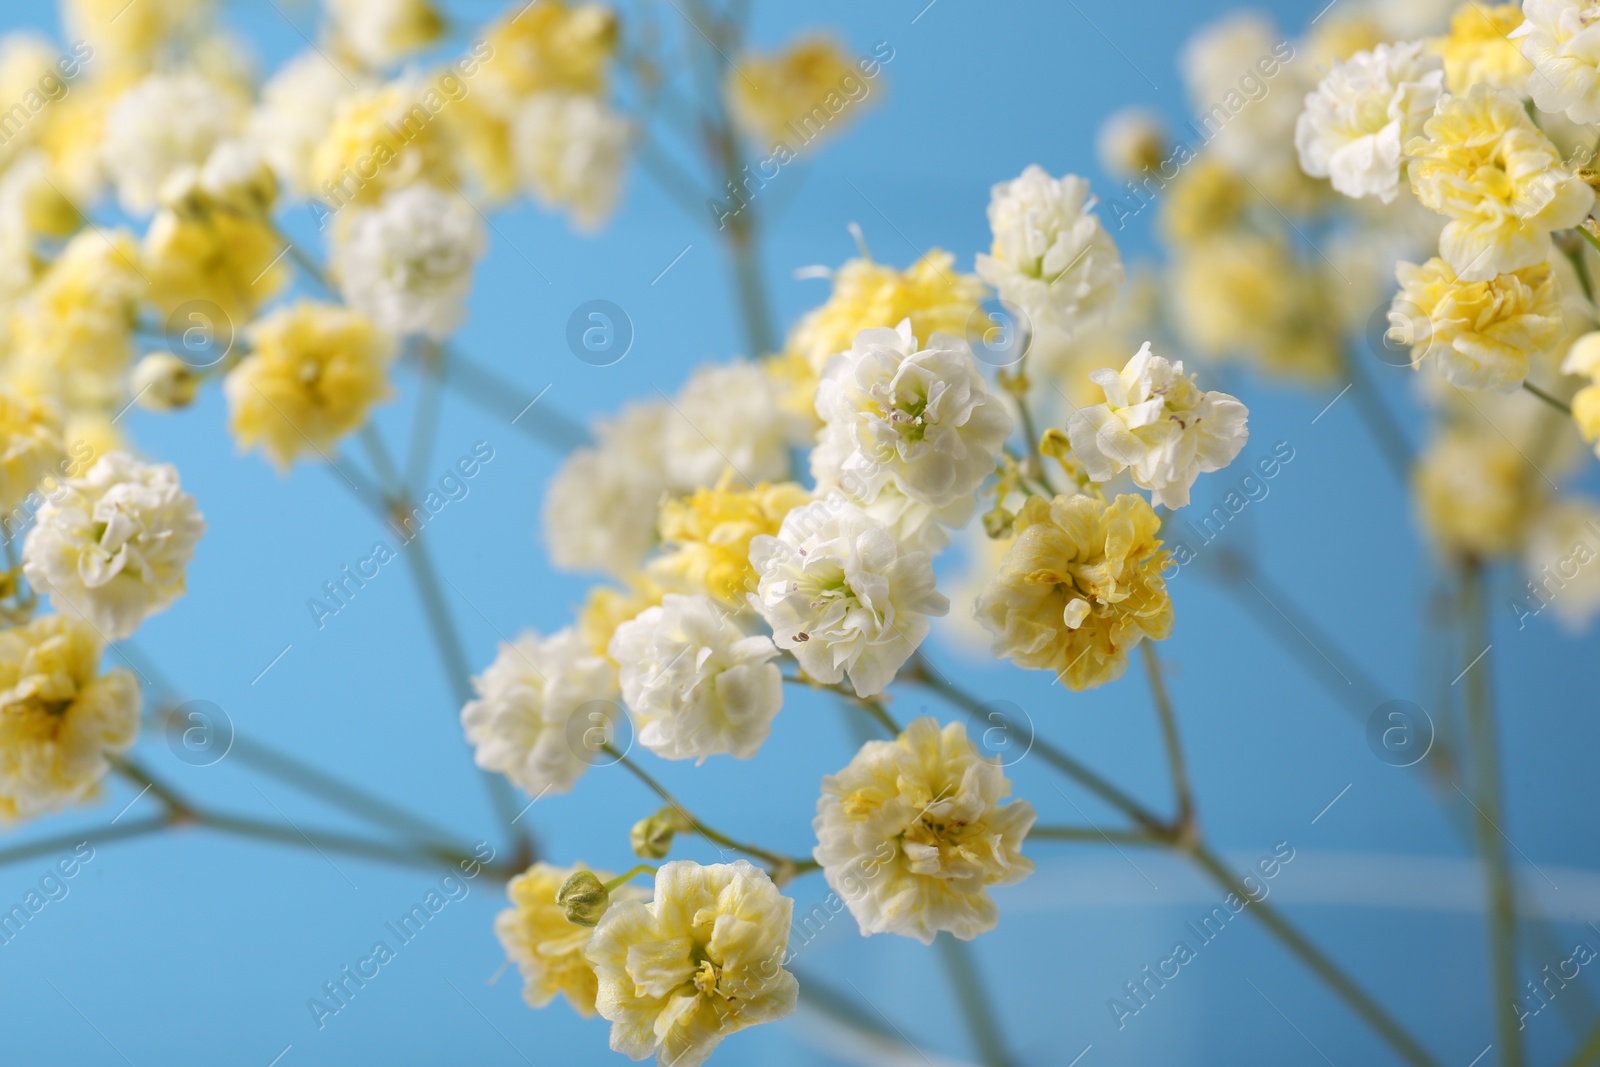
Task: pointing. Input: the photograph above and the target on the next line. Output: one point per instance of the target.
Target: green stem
(628, 876)
(1091, 835)
(973, 998)
(1554, 401)
(1169, 736)
(1588, 1053)
(49, 846)
(504, 399)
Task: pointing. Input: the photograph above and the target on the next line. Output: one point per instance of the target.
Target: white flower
(1051, 257)
(113, 545)
(1157, 421)
(696, 683)
(918, 419)
(544, 707)
(1246, 115)
(161, 123)
(912, 833)
(1562, 564)
(600, 508)
(842, 596)
(569, 150)
(725, 416)
(1363, 113)
(407, 263)
(382, 32)
(296, 109)
(1131, 141)
(1561, 38)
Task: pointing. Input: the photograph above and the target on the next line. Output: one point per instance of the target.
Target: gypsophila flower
(843, 596)
(1051, 257)
(1473, 494)
(544, 707)
(912, 834)
(708, 534)
(725, 416)
(548, 949)
(382, 32)
(1480, 48)
(408, 262)
(294, 114)
(569, 150)
(918, 418)
(30, 444)
(702, 960)
(1132, 141)
(600, 508)
(696, 683)
(1481, 335)
(161, 123)
(1560, 564)
(1561, 39)
(776, 99)
(113, 545)
(1158, 422)
(59, 715)
(1363, 113)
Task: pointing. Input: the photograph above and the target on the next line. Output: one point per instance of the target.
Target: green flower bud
(584, 898)
(652, 838)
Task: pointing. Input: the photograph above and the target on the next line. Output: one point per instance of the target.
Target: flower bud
(163, 382)
(652, 838)
(584, 898)
(1131, 142)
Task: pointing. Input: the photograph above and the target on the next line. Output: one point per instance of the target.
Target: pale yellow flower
(385, 138)
(1480, 334)
(1080, 588)
(1482, 163)
(313, 375)
(201, 248)
(380, 33)
(1207, 198)
(546, 948)
(707, 536)
(1479, 49)
(606, 607)
(796, 95)
(912, 834)
(550, 46)
(132, 35)
(30, 444)
(702, 960)
(59, 716)
(1475, 493)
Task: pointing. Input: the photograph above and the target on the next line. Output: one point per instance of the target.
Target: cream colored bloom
(380, 33)
(1562, 563)
(912, 834)
(547, 949)
(160, 124)
(1079, 589)
(163, 382)
(114, 545)
(707, 535)
(313, 375)
(1363, 113)
(407, 262)
(797, 95)
(1562, 41)
(918, 418)
(1583, 358)
(59, 716)
(843, 596)
(382, 138)
(702, 960)
(607, 607)
(1474, 493)
(295, 112)
(202, 246)
(1157, 421)
(600, 508)
(1482, 163)
(725, 416)
(569, 150)
(550, 46)
(1051, 257)
(1481, 335)
(696, 683)
(544, 708)
(1132, 141)
(1480, 49)
(131, 36)
(30, 444)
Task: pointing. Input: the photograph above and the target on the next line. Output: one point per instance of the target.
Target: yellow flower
(128, 35)
(384, 138)
(1482, 163)
(72, 335)
(607, 607)
(548, 46)
(59, 716)
(30, 444)
(708, 534)
(1478, 49)
(1481, 334)
(313, 375)
(1475, 492)
(1079, 588)
(1206, 198)
(483, 137)
(74, 132)
(796, 95)
(1586, 413)
(548, 949)
(702, 960)
(198, 248)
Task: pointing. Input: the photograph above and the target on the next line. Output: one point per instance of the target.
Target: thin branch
(972, 996)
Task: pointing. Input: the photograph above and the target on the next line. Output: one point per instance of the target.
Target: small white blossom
(600, 508)
(544, 705)
(842, 595)
(1562, 564)
(382, 32)
(297, 107)
(407, 263)
(1051, 257)
(160, 124)
(1561, 38)
(113, 546)
(725, 416)
(696, 683)
(1158, 422)
(1362, 114)
(569, 150)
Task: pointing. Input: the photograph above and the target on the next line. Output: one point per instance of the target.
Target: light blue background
(199, 949)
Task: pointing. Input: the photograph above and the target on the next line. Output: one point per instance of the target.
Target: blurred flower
(1206, 199)
(313, 374)
(161, 123)
(912, 834)
(162, 382)
(1558, 38)
(380, 33)
(1132, 141)
(59, 716)
(707, 536)
(114, 545)
(30, 444)
(203, 248)
(1079, 589)
(544, 707)
(132, 35)
(1483, 164)
(724, 416)
(696, 683)
(1158, 422)
(407, 262)
(550, 46)
(569, 150)
(1480, 49)
(842, 596)
(1480, 334)
(918, 418)
(382, 138)
(702, 960)
(1473, 493)
(795, 96)
(1051, 257)
(295, 113)
(1363, 112)
(547, 949)
(1560, 562)
(606, 607)
(600, 508)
